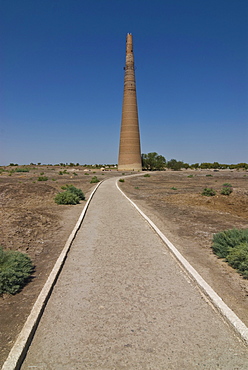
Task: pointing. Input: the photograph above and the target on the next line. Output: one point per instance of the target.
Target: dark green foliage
(153, 161)
(227, 189)
(224, 241)
(94, 180)
(147, 175)
(190, 176)
(22, 170)
(74, 190)
(233, 246)
(175, 165)
(121, 180)
(42, 178)
(208, 192)
(238, 258)
(66, 198)
(173, 188)
(15, 269)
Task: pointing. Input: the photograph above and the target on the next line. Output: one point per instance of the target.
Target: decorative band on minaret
(129, 150)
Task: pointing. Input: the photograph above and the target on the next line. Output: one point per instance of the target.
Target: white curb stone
(18, 351)
(231, 318)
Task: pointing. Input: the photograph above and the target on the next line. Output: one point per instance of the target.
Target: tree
(153, 161)
(175, 165)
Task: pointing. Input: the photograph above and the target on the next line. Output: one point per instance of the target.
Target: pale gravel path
(123, 302)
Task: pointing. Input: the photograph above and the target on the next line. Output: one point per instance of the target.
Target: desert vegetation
(232, 245)
(155, 162)
(71, 195)
(15, 269)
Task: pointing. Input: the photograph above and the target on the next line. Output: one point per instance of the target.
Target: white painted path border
(240, 328)
(18, 351)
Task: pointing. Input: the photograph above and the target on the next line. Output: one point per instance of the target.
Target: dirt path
(122, 302)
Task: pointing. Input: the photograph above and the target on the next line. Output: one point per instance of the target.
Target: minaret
(129, 150)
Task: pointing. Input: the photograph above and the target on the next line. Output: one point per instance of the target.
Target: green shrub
(136, 187)
(190, 176)
(147, 175)
(94, 180)
(208, 192)
(227, 189)
(209, 175)
(15, 269)
(66, 197)
(22, 170)
(173, 188)
(74, 190)
(61, 173)
(238, 258)
(42, 178)
(224, 241)
(122, 180)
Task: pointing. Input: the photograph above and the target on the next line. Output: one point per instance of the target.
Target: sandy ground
(174, 202)
(32, 222)
(123, 302)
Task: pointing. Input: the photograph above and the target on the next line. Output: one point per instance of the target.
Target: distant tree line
(155, 162)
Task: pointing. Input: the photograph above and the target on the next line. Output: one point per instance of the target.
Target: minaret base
(130, 167)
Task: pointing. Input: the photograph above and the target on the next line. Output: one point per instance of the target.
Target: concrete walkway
(123, 302)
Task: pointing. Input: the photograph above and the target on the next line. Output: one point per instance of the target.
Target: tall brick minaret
(129, 150)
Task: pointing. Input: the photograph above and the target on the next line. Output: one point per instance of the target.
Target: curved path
(123, 302)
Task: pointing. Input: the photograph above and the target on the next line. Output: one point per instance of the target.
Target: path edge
(230, 317)
(20, 347)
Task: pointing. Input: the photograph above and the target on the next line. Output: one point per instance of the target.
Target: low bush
(233, 246)
(224, 241)
(122, 180)
(15, 269)
(238, 258)
(227, 189)
(22, 170)
(66, 197)
(74, 190)
(147, 175)
(208, 192)
(94, 180)
(42, 178)
(173, 188)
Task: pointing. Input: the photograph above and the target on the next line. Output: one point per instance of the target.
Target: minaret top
(129, 45)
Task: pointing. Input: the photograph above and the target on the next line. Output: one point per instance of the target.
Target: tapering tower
(129, 150)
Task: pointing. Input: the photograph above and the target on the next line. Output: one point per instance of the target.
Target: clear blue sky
(62, 76)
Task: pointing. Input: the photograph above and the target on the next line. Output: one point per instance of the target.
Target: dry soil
(31, 222)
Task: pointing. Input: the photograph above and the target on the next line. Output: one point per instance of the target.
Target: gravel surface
(123, 302)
